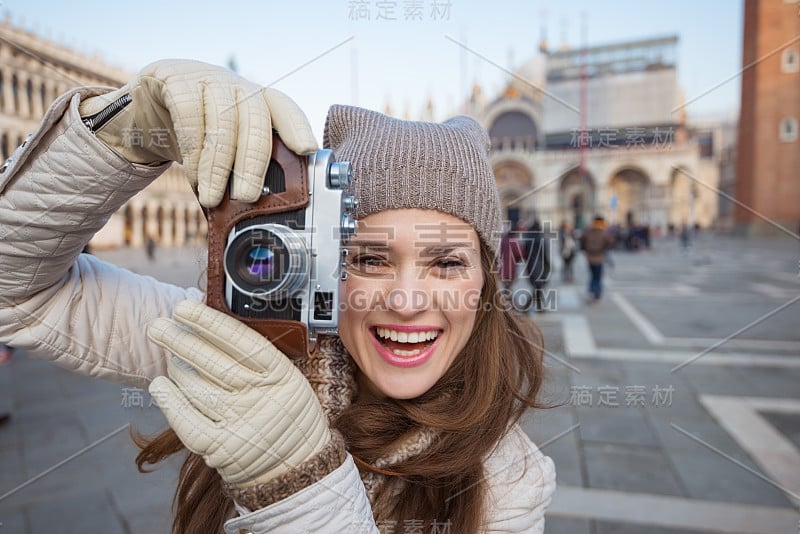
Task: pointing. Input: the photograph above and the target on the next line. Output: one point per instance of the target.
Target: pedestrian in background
(569, 249)
(5, 392)
(150, 247)
(537, 263)
(685, 238)
(511, 254)
(595, 243)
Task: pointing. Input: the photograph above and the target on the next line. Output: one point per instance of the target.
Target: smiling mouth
(405, 343)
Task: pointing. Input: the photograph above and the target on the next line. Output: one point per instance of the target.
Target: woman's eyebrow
(446, 248)
(367, 244)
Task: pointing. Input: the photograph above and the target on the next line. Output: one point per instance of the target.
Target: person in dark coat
(537, 266)
(596, 243)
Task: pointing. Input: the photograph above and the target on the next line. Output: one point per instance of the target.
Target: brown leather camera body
(288, 198)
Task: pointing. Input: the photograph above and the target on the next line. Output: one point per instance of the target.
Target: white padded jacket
(90, 317)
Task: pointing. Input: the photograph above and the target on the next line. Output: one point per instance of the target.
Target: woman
(407, 419)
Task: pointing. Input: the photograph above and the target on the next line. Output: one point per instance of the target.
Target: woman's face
(411, 297)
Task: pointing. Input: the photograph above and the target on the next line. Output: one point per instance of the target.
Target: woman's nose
(409, 293)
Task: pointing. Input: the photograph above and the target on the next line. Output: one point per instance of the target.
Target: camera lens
(266, 259)
(260, 262)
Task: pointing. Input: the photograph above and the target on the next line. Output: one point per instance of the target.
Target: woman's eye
(449, 263)
(367, 263)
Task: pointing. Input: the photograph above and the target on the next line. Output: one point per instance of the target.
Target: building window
(788, 130)
(790, 60)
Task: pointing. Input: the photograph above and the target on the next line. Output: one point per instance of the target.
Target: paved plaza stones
(652, 429)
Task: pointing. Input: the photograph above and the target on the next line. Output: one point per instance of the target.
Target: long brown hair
(488, 387)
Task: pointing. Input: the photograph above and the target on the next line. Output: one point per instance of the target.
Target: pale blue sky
(405, 61)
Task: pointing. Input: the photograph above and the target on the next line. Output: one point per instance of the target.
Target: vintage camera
(277, 264)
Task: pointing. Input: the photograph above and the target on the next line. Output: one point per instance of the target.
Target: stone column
(8, 92)
(38, 107)
(151, 220)
(22, 95)
(137, 225)
(202, 226)
(49, 92)
(167, 213)
(180, 224)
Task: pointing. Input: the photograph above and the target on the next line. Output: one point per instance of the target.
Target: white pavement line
(552, 355)
(745, 328)
(773, 345)
(671, 512)
(64, 461)
(578, 338)
(668, 356)
(648, 329)
(770, 449)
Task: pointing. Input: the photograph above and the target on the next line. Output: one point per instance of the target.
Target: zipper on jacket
(98, 120)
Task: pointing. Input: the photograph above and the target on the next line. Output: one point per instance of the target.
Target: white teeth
(406, 352)
(406, 337)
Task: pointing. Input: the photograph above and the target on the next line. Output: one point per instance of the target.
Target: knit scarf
(332, 374)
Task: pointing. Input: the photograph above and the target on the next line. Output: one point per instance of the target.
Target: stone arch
(508, 172)
(576, 197)
(514, 124)
(514, 130)
(514, 180)
(629, 195)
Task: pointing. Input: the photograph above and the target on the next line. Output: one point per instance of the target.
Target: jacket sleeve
(57, 190)
(521, 484)
(337, 503)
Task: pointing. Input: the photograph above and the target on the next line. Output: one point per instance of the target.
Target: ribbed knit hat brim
(410, 164)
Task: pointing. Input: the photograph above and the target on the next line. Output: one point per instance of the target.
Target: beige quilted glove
(207, 118)
(233, 398)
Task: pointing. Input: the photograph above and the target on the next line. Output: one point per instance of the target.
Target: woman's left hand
(233, 398)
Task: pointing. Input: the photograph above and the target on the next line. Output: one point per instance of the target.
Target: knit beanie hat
(409, 164)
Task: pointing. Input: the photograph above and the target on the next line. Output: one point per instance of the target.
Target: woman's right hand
(235, 399)
(214, 122)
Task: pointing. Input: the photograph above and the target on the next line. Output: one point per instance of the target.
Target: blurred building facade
(33, 73)
(601, 130)
(768, 149)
